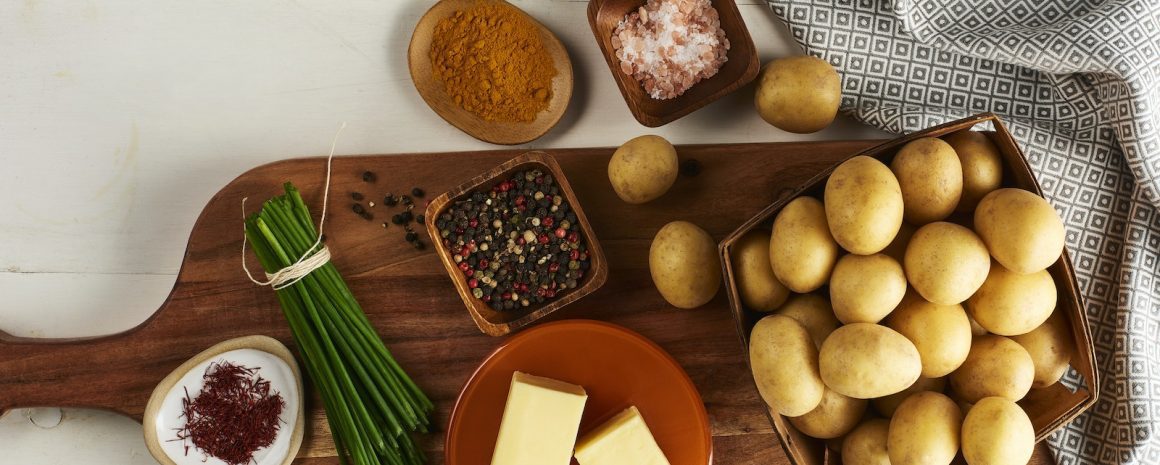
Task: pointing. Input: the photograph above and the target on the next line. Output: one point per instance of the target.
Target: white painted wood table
(120, 118)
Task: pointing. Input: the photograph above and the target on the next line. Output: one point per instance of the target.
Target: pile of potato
(918, 289)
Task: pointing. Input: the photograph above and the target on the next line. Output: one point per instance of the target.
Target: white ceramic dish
(275, 364)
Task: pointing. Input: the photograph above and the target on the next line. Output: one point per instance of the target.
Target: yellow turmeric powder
(492, 62)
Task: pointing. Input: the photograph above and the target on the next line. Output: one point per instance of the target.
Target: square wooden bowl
(739, 70)
(1050, 407)
(490, 321)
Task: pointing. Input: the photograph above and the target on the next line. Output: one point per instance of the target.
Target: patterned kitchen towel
(1078, 84)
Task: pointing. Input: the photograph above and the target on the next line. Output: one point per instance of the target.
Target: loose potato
(643, 169)
(887, 405)
(834, 416)
(996, 366)
(1051, 347)
(946, 263)
(924, 430)
(684, 265)
(863, 205)
(941, 333)
(759, 288)
(982, 166)
(866, 288)
(785, 366)
(931, 179)
(865, 360)
(801, 250)
(1021, 229)
(814, 313)
(866, 445)
(798, 94)
(997, 432)
(1010, 304)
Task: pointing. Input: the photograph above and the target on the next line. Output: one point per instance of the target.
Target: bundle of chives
(371, 404)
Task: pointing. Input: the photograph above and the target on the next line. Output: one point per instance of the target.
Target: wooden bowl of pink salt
(671, 57)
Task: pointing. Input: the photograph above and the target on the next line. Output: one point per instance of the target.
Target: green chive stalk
(371, 404)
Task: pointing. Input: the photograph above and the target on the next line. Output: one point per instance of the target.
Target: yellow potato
(931, 179)
(865, 360)
(866, 445)
(946, 263)
(643, 169)
(863, 205)
(982, 166)
(814, 313)
(1051, 347)
(1010, 304)
(996, 366)
(866, 288)
(785, 366)
(798, 94)
(888, 404)
(941, 333)
(924, 430)
(997, 432)
(759, 288)
(897, 247)
(835, 416)
(1021, 229)
(801, 250)
(684, 265)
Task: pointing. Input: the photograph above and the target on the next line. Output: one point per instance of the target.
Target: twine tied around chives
(315, 257)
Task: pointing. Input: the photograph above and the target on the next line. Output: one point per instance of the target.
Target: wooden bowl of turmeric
(490, 70)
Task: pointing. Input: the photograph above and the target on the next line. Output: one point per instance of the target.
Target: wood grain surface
(410, 299)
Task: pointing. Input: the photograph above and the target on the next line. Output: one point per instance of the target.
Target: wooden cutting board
(409, 298)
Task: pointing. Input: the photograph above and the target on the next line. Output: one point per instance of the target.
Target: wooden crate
(1049, 408)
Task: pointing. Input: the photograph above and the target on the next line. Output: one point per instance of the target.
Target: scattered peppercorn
(411, 236)
(690, 167)
(368, 176)
(406, 199)
(417, 192)
(397, 219)
(516, 242)
(356, 196)
(358, 209)
(419, 245)
(421, 220)
(390, 200)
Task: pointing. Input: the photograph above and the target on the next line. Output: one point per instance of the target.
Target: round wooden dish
(617, 367)
(162, 412)
(496, 132)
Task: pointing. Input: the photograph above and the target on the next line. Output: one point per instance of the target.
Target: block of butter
(623, 440)
(540, 422)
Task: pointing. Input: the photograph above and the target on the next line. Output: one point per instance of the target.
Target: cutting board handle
(82, 372)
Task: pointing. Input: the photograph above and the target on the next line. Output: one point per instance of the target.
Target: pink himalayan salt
(670, 45)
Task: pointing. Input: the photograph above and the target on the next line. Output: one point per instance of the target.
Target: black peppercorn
(356, 196)
(390, 200)
(690, 167)
(397, 219)
(368, 176)
(358, 209)
(406, 199)
(419, 219)
(417, 192)
(411, 237)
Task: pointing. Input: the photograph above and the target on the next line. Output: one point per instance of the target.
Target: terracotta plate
(616, 366)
